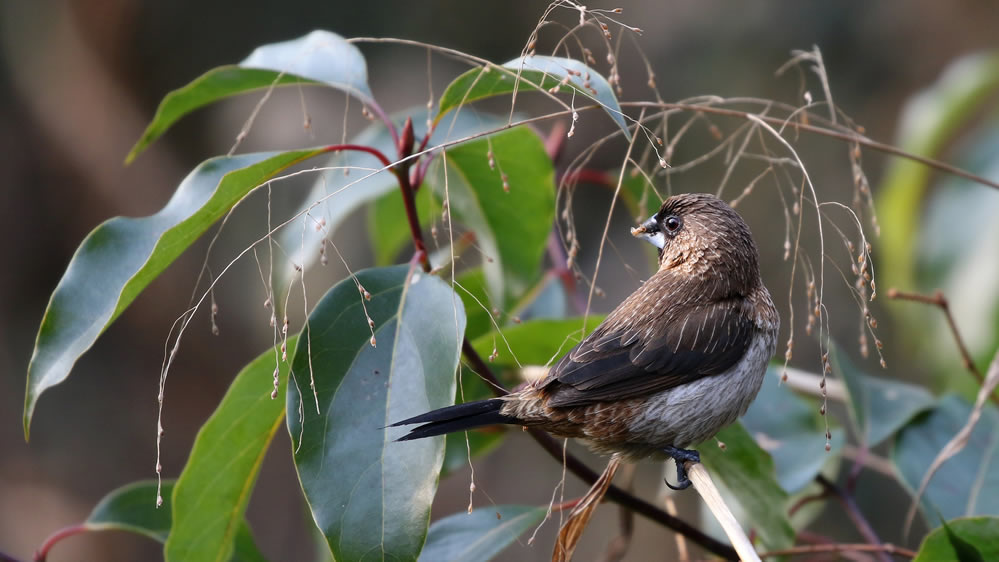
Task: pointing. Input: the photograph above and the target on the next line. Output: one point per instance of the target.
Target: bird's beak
(649, 230)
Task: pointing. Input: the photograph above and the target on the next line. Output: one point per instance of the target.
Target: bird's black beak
(649, 230)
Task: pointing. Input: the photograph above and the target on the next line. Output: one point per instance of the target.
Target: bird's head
(699, 234)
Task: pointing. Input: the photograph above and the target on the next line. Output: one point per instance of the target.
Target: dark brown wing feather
(667, 333)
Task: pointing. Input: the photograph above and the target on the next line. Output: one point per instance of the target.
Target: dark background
(79, 81)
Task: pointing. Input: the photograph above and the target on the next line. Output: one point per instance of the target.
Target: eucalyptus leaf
(367, 493)
(968, 483)
(132, 508)
(531, 73)
(790, 429)
(479, 535)
(321, 57)
(980, 533)
(211, 495)
(122, 256)
(535, 342)
(509, 205)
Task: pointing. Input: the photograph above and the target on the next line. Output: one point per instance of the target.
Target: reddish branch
(43, 551)
(853, 512)
(938, 300)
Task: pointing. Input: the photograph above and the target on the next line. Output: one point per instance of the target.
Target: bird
(679, 359)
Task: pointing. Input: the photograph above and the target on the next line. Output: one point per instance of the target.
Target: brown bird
(678, 360)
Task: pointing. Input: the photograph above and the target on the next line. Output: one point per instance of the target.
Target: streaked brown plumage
(679, 359)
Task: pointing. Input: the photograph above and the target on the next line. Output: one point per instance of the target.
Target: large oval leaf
(536, 342)
(133, 508)
(321, 57)
(371, 496)
(212, 493)
(511, 224)
(790, 429)
(119, 258)
(967, 484)
(535, 72)
(952, 540)
(479, 535)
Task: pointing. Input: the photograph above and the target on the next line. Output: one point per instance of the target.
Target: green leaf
(360, 186)
(979, 533)
(968, 483)
(512, 226)
(210, 498)
(790, 429)
(878, 407)
(367, 492)
(119, 258)
(133, 508)
(477, 305)
(536, 342)
(320, 57)
(747, 472)
(538, 71)
(479, 535)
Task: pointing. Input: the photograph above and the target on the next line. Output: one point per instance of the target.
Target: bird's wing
(655, 340)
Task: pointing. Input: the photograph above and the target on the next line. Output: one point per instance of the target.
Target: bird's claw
(680, 456)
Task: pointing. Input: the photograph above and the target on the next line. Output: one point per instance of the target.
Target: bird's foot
(681, 456)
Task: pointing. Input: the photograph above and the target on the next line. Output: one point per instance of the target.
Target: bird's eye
(672, 223)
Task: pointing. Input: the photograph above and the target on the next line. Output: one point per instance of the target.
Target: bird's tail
(456, 418)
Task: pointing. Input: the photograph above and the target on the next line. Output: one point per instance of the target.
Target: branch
(938, 300)
(709, 493)
(853, 512)
(849, 547)
(43, 551)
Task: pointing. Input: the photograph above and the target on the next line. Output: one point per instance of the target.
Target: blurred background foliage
(79, 81)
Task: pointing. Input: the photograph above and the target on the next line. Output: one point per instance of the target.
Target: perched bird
(678, 360)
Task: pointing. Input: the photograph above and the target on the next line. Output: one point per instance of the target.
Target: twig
(847, 547)
(938, 300)
(853, 512)
(43, 551)
(709, 493)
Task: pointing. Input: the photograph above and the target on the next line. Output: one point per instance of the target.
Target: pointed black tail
(456, 418)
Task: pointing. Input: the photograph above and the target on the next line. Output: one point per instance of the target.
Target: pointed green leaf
(537, 71)
(133, 508)
(321, 57)
(968, 483)
(747, 472)
(211, 495)
(119, 258)
(536, 342)
(479, 535)
(980, 533)
(790, 429)
(369, 495)
(511, 226)
(878, 407)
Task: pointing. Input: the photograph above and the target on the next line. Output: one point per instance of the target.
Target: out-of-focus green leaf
(747, 472)
(537, 71)
(790, 430)
(388, 228)
(119, 258)
(928, 124)
(510, 206)
(479, 535)
(211, 495)
(980, 533)
(368, 493)
(535, 342)
(477, 304)
(320, 57)
(133, 508)
(968, 483)
(878, 407)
